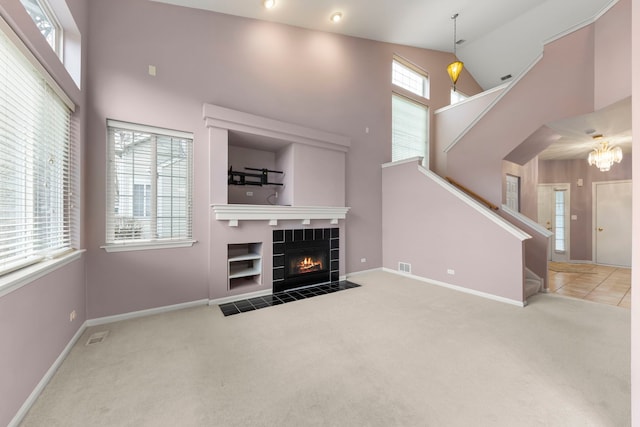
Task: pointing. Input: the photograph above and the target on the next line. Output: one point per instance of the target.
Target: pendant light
(455, 68)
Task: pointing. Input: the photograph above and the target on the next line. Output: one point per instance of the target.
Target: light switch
(152, 70)
(580, 182)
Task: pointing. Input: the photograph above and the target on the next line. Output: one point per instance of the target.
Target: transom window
(410, 78)
(47, 23)
(149, 185)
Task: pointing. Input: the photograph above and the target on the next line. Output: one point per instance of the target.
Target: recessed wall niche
(247, 159)
(312, 161)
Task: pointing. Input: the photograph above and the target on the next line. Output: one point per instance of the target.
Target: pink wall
(428, 227)
(559, 85)
(569, 171)
(451, 121)
(562, 84)
(322, 81)
(34, 319)
(612, 45)
(635, 260)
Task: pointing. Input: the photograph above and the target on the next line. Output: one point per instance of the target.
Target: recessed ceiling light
(336, 17)
(268, 4)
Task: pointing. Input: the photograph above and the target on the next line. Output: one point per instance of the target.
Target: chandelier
(604, 156)
(455, 68)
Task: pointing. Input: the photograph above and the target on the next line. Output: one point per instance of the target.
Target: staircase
(532, 284)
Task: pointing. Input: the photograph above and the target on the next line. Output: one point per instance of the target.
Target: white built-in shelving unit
(244, 264)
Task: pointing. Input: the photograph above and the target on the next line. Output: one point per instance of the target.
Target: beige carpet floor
(394, 352)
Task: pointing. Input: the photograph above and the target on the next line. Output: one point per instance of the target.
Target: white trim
(457, 288)
(359, 273)
(271, 213)
(143, 313)
(225, 118)
(526, 220)
(416, 159)
(17, 42)
(474, 97)
(239, 297)
(17, 279)
(28, 403)
(149, 129)
(148, 245)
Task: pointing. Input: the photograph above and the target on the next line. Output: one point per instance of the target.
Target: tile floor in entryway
(597, 283)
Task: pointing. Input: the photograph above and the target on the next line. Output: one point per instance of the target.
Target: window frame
(58, 38)
(412, 68)
(23, 272)
(113, 244)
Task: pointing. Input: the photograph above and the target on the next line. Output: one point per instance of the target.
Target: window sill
(17, 279)
(145, 246)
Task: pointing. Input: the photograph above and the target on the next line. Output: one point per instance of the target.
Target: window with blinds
(149, 182)
(38, 174)
(409, 129)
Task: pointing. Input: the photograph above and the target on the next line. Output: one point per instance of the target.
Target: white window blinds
(149, 184)
(37, 172)
(409, 129)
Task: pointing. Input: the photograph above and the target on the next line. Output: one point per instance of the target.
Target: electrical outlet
(249, 193)
(363, 260)
(72, 316)
(451, 271)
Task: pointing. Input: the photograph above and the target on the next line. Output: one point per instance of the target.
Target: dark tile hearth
(278, 298)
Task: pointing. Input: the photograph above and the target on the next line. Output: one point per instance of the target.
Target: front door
(612, 220)
(553, 214)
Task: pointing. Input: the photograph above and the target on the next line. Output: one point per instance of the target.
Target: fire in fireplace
(304, 257)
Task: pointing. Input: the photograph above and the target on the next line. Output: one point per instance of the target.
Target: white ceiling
(501, 37)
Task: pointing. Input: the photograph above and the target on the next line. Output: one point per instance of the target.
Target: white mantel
(274, 213)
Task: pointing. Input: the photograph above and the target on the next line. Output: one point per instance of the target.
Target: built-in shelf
(273, 214)
(244, 264)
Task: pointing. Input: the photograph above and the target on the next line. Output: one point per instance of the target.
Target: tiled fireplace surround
(308, 157)
(282, 238)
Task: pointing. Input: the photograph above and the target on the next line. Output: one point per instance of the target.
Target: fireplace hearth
(305, 257)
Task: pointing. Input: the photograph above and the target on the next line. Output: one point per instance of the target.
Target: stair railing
(472, 194)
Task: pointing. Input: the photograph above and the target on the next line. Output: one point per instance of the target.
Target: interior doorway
(553, 214)
(612, 223)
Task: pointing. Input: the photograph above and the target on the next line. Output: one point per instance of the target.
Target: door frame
(594, 207)
(566, 187)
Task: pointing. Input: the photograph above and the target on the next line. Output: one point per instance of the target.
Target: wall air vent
(506, 77)
(404, 267)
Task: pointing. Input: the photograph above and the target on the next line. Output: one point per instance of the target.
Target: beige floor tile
(601, 283)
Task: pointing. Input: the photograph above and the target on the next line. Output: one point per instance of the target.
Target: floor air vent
(404, 267)
(97, 337)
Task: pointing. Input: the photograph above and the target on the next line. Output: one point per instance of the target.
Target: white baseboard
(28, 403)
(143, 313)
(358, 273)
(458, 288)
(239, 297)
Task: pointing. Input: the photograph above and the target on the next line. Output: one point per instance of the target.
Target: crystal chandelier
(604, 156)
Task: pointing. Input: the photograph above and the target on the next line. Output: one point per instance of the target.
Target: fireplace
(305, 257)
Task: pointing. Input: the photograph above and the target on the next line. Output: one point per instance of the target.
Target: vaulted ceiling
(501, 37)
(496, 38)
